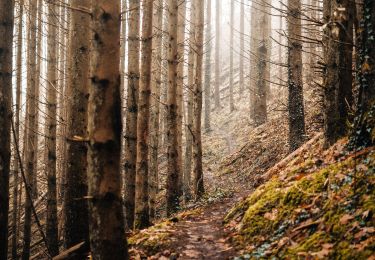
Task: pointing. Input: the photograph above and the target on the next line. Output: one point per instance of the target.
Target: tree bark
(295, 85)
(231, 76)
(50, 132)
(180, 83)
(198, 171)
(31, 121)
(76, 226)
(173, 168)
(107, 233)
(217, 56)
(262, 55)
(207, 80)
(132, 112)
(338, 96)
(6, 53)
(142, 218)
(17, 130)
(363, 131)
(242, 46)
(155, 104)
(190, 106)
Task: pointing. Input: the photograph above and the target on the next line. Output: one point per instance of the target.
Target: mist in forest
(187, 129)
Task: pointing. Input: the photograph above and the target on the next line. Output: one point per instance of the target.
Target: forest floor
(235, 158)
(262, 202)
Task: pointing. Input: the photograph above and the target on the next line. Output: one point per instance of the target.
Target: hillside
(263, 201)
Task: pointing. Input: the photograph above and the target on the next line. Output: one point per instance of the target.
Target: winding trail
(204, 236)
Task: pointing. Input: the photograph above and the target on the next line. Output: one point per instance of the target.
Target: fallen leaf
(271, 215)
(366, 214)
(345, 219)
(326, 249)
(364, 231)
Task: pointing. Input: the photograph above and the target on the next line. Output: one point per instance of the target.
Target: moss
(278, 208)
(310, 244)
(152, 239)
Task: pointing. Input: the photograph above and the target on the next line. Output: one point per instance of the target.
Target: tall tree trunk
(6, 53)
(17, 130)
(231, 76)
(39, 45)
(295, 85)
(50, 132)
(190, 106)
(242, 46)
(107, 233)
(364, 123)
(217, 56)
(164, 80)
(155, 104)
(63, 97)
(142, 218)
(173, 168)
(262, 67)
(76, 226)
(280, 49)
(132, 111)
(207, 80)
(180, 83)
(198, 171)
(338, 97)
(31, 120)
(253, 58)
(124, 22)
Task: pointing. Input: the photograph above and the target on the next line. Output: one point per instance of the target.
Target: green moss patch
(312, 213)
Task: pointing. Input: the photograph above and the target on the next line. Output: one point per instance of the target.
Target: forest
(187, 129)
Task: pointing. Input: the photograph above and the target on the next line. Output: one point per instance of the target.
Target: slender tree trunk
(253, 58)
(31, 118)
(142, 218)
(50, 133)
(39, 46)
(123, 58)
(64, 101)
(76, 226)
(217, 55)
(6, 53)
(207, 81)
(190, 107)
(363, 130)
(107, 233)
(338, 97)
(231, 76)
(280, 50)
(262, 66)
(155, 104)
(198, 171)
(17, 130)
(180, 83)
(242, 46)
(173, 168)
(295, 85)
(164, 86)
(132, 111)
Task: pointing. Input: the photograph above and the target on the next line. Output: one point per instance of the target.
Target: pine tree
(6, 53)
(107, 233)
(142, 218)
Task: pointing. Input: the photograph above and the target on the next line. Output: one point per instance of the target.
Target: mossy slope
(312, 209)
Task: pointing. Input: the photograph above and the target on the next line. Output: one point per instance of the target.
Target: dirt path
(204, 236)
